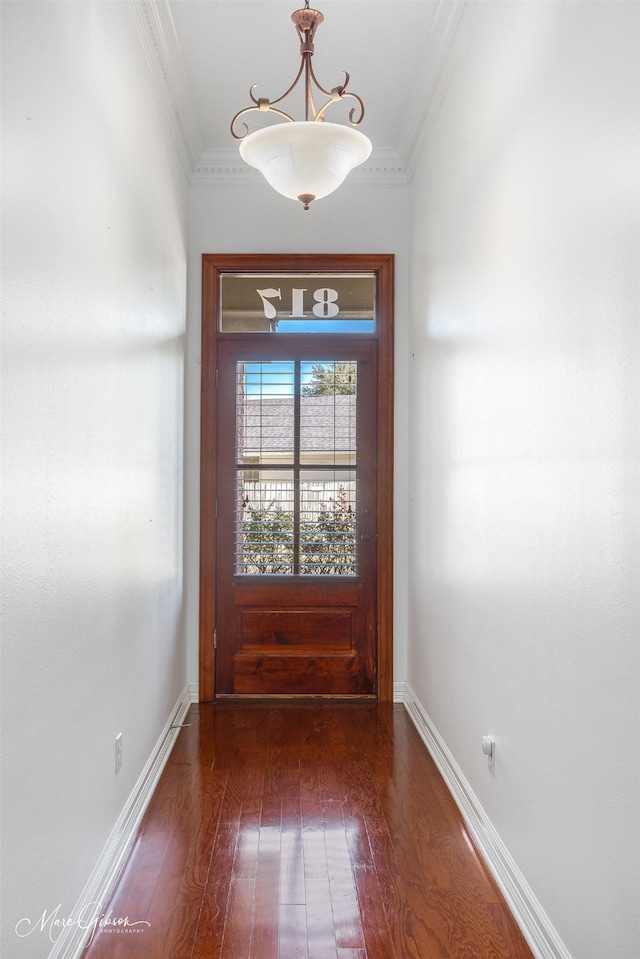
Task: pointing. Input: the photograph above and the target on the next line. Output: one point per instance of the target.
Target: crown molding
(221, 166)
(444, 47)
(224, 166)
(384, 167)
(157, 35)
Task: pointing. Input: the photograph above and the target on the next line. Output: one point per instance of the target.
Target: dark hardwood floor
(305, 831)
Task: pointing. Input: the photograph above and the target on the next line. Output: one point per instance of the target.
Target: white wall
(524, 554)
(252, 218)
(94, 277)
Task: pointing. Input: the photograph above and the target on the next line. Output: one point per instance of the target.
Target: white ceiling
(397, 52)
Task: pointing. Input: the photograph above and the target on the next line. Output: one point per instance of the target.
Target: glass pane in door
(296, 468)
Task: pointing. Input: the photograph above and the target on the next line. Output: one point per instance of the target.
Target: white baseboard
(73, 938)
(194, 692)
(536, 927)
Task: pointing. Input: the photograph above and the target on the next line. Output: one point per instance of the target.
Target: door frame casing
(213, 265)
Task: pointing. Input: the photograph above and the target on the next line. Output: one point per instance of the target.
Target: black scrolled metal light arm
(306, 21)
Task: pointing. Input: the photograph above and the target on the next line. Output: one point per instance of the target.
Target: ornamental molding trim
(444, 48)
(157, 36)
(225, 167)
(222, 166)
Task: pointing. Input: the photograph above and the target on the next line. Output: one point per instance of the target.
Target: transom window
(297, 303)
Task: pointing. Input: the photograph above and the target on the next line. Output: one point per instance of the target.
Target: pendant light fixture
(304, 159)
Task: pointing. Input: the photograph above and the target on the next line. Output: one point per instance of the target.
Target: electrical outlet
(118, 752)
(489, 749)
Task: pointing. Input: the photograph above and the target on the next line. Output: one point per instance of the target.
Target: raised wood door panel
(296, 634)
(297, 501)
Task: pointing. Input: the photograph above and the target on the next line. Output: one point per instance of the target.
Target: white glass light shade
(305, 160)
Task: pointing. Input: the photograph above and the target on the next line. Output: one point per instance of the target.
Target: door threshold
(289, 699)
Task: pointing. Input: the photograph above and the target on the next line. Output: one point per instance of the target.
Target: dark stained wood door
(296, 537)
(297, 507)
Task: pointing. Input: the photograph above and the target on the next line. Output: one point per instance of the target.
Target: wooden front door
(296, 551)
(292, 500)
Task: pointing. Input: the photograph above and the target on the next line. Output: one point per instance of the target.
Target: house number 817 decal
(325, 305)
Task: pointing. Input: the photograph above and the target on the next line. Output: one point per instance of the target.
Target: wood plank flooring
(304, 831)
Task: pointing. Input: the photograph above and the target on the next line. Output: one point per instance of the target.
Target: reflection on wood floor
(305, 831)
